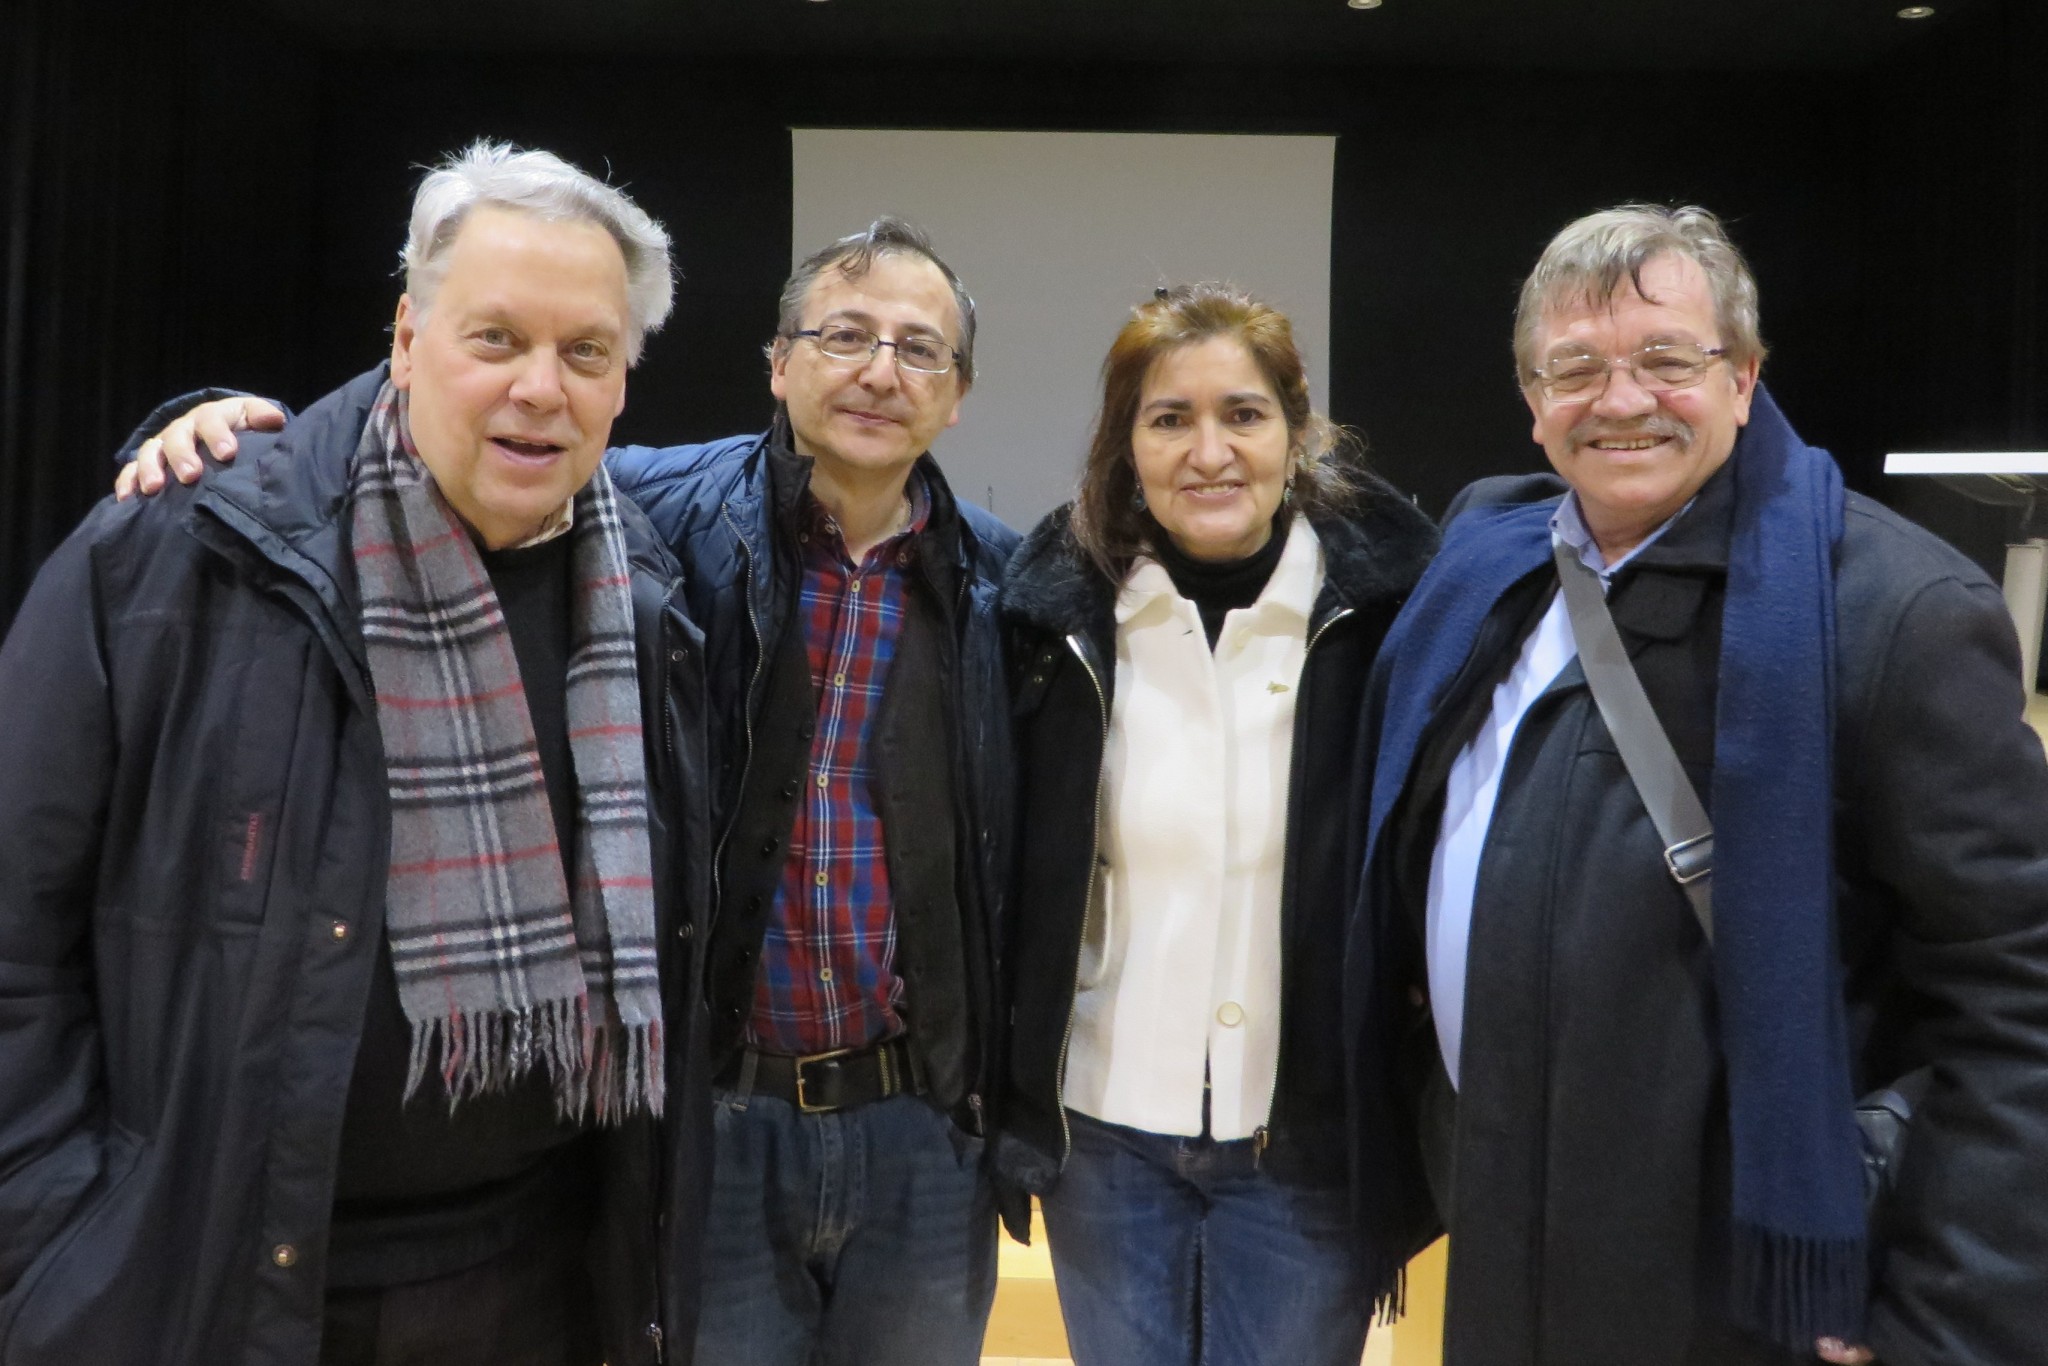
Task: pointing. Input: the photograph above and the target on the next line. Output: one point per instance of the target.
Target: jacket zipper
(746, 704)
(1262, 1137)
(969, 789)
(668, 730)
(1080, 649)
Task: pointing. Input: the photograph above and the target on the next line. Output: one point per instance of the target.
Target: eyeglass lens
(925, 355)
(1676, 366)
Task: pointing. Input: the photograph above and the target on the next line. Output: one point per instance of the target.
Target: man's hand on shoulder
(176, 448)
(1836, 1350)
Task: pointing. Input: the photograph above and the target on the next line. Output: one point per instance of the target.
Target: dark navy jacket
(194, 831)
(725, 509)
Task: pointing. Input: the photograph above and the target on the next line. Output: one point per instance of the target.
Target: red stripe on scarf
(430, 703)
(439, 865)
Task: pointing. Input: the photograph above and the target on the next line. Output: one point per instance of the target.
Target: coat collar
(1698, 540)
(288, 499)
(1290, 593)
(1658, 594)
(1372, 555)
(779, 478)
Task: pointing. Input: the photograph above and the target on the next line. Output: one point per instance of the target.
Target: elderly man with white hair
(345, 803)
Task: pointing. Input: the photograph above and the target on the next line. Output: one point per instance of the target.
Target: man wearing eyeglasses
(855, 692)
(1632, 1058)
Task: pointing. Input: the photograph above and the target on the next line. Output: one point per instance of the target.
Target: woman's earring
(1138, 498)
(1287, 491)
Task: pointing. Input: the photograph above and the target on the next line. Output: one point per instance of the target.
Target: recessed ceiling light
(1363, 4)
(1917, 12)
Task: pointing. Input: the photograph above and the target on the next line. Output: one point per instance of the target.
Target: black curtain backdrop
(149, 241)
(198, 195)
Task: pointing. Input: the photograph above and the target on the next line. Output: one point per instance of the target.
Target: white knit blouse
(1181, 960)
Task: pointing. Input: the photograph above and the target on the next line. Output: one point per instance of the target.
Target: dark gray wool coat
(1583, 1166)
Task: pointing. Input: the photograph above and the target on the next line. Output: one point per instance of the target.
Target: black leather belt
(819, 1082)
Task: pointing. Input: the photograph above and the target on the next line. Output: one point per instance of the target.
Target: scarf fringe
(614, 1072)
(1390, 1300)
(1793, 1290)
(535, 997)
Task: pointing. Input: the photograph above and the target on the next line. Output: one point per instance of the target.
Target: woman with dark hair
(1190, 640)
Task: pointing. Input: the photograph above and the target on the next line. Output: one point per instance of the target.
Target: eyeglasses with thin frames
(842, 341)
(1657, 369)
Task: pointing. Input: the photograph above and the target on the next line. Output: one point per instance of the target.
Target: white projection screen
(1057, 235)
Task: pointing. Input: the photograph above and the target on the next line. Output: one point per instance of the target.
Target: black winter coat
(194, 832)
(727, 509)
(1583, 1165)
(1059, 610)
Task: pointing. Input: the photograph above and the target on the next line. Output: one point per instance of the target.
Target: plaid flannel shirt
(827, 977)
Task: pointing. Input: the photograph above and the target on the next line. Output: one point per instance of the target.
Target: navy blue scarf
(1800, 1268)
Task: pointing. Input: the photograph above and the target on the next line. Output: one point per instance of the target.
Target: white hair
(499, 175)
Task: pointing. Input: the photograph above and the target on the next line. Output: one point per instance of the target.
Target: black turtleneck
(1218, 587)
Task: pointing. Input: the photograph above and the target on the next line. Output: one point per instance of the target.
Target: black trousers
(528, 1307)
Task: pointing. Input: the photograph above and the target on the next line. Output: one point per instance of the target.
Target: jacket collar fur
(1370, 556)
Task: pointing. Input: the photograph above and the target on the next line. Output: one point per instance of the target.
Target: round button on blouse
(1230, 1014)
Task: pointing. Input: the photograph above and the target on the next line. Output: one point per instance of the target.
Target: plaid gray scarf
(497, 962)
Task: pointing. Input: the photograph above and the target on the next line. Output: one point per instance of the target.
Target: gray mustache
(1660, 426)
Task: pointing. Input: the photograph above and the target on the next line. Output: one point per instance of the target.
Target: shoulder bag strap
(1645, 749)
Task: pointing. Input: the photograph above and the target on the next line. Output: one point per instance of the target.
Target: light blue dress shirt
(1473, 788)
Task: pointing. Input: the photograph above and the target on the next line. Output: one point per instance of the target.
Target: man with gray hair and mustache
(346, 801)
(1630, 948)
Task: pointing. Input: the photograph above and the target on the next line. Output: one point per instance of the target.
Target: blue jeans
(1182, 1252)
(863, 1237)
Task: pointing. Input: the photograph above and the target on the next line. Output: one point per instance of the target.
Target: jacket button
(1230, 1014)
(753, 904)
(1417, 997)
(284, 1254)
(789, 789)
(339, 929)
(677, 656)
(769, 845)
(685, 931)
(1037, 679)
